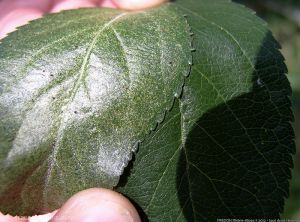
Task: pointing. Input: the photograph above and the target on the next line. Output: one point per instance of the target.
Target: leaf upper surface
(77, 97)
(224, 150)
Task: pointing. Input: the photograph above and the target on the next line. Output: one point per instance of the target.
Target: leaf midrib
(81, 76)
(82, 73)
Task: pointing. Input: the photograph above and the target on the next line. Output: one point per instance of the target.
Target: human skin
(96, 204)
(14, 13)
(91, 205)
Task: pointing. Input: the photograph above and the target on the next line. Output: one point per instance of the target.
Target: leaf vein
(73, 92)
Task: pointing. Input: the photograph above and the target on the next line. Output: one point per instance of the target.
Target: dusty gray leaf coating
(77, 97)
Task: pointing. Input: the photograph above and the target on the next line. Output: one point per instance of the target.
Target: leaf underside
(79, 97)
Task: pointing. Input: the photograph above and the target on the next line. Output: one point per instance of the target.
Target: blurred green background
(283, 17)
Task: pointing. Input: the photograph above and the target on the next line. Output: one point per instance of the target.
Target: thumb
(137, 4)
(97, 205)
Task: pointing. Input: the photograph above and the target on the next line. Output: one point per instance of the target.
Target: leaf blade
(235, 124)
(87, 100)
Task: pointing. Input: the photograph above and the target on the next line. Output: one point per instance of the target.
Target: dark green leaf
(224, 151)
(78, 91)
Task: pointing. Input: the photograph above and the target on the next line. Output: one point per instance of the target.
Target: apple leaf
(224, 151)
(78, 91)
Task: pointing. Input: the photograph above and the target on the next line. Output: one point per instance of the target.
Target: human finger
(60, 5)
(97, 205)
(18, 17)
(137, 4)
(106, 3)
(8, 218)
(8, 5)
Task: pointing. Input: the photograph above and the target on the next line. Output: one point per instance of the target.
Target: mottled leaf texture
(224, 150)
(79, 90)
(79, 97)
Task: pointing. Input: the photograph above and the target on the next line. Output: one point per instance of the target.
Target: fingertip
(9, 218)
(99, 205)
(60, 5)
(137, 4)
(16, 18)
(107, 3)
(42, 218)
(8, 5)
